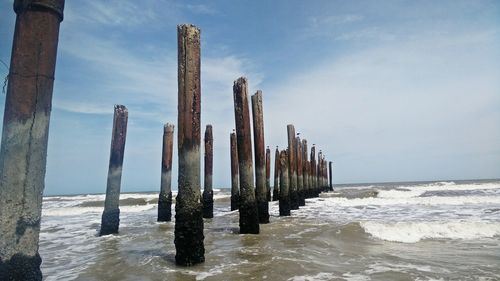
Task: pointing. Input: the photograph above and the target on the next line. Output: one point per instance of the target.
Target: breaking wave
(412, 232)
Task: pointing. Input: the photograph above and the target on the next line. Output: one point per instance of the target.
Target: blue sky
(390, 90)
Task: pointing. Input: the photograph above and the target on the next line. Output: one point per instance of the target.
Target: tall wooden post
(249, 220)
(319, 172)
(313, 172)
(276, 188)
(300, 180)
(268, 173)
(235, 189)
(165, 199)
(330, 170)
(111, 215)
(208, 192)
(260, 158)
(305, 171)
(189, 236)
(23, 153)
(284, 204)
(292, 167)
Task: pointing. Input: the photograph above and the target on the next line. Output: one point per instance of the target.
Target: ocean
(392, 231)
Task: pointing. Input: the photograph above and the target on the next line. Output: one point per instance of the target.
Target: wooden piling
(165, 199)
(284, 200)
(189, 236)
(313, 172)
(111, 216)
(260, 158)
(276, 187)
(235, 190)
(208, 193)
(23, 152)
(319, 171)
(305, 171)
(249, 220)
(268, 173)
(292, 167)
(300, 182)
(330, 169)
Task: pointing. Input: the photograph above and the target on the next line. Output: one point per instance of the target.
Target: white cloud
(201, 9)
(428, 99)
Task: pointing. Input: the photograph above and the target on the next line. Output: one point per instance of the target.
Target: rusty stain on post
(235, 189)
(249, 220)
(292, 168)
(111, 216)
(189, 245)
(165, 198)
(23, 153)
(208, 193)
(260, 158)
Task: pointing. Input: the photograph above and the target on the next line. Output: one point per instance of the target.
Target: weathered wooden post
(305, 173)
(260, 158)
(208, 193)
(300, 180)
(235, 190)
(23, 153)
(189, 236)
(111, 216)
(268, 173)
(292, 168)
(319, 171)
(330, 169)
(165, 199)
(276, 188)
(313, 172)
(249, 220)
(284, 203)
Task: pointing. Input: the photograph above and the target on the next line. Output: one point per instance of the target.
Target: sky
(389, 90)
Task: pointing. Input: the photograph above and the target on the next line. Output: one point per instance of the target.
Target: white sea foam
(418, 190)
(431, 200)
(396, 193)
(318, 277)
(453, 186)
(412, 232)
(73, 211)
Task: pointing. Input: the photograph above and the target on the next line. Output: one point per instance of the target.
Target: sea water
(393, 231)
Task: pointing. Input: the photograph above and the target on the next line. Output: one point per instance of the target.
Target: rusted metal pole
(249, 220)
(292, 168)
(300, 180)
(208, 192)
(235, 190)
(284, 204)
(276, 187)
(111, 216)
(268, 173)
(260, 158)
(23, 153)
(305, 171)
(165, 199)
(189, 236)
